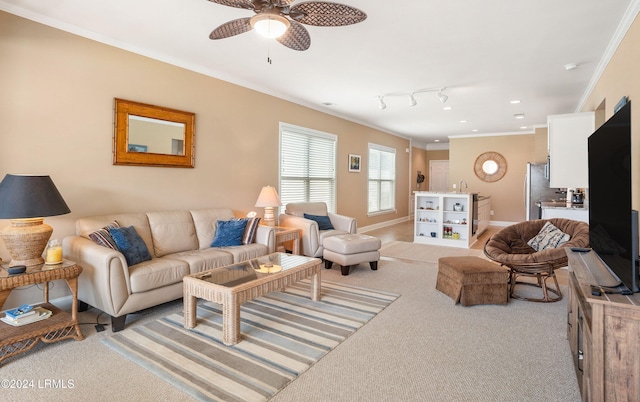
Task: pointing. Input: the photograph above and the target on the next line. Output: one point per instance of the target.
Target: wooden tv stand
(604, 336)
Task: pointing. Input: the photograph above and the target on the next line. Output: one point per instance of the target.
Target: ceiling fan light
(270, 25)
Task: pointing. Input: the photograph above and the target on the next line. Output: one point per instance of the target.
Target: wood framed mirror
(490, 167)
(149, 135)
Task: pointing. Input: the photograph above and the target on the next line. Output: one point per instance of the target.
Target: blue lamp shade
(26, 200)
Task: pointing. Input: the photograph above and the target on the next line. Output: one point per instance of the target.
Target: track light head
(382, 105)
(442, 97)
(412, 96)
(412, 100)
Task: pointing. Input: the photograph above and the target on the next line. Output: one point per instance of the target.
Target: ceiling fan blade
(325, 14)
(248, 4)
(296, 38)
(231, 28)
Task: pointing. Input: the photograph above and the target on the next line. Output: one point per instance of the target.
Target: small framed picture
(354, 163)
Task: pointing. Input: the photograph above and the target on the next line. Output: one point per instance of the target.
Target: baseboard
(384, 224)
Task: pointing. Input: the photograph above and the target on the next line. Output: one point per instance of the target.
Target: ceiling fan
(283, 21)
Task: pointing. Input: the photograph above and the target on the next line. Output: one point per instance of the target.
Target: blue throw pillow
(130, 244)
(229, 233)
(323, 221)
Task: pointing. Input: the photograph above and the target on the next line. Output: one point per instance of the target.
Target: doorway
(439, 175)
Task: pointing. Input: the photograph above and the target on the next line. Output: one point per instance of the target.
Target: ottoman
(472, 280)
(351, 249)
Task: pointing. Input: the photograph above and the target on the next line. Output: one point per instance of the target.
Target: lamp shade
(26, 200)
(25, 196)
(268, 198)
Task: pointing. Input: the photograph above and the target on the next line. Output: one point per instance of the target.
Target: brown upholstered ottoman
(472, 280)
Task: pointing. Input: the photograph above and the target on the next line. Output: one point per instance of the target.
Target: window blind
(307, 166)
(382, 179)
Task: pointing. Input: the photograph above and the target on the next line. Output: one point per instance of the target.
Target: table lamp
(268, 199)
(26, 200)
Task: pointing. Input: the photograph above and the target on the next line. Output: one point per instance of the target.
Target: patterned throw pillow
(130, 244)
(102, 236)
(324, 223)
(229, 233)
(250, 230)
(548, 237)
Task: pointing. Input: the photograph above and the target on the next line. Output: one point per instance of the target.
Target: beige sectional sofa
(179, 244)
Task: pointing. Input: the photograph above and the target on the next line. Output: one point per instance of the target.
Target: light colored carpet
(424, 252)
(425, 348)
(420, 348)
(284, 333)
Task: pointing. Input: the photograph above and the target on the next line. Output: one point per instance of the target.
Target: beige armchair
(312, 235)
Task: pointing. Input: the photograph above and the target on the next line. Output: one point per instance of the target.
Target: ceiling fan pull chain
(269, 52)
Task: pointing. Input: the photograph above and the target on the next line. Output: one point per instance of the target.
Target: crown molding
(624, 25)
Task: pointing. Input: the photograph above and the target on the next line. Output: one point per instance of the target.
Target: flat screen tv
(613, 225)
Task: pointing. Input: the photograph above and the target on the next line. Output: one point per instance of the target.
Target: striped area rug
(284, 333)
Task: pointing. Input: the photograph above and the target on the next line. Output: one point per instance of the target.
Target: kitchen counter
(577, 213)
(580, 208)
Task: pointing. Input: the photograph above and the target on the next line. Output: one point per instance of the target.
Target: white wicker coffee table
(235, 284)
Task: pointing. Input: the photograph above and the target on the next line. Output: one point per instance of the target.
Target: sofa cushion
(84, 226)
(329, 233)
(205, 222)
(202, 260)
(229, 233)
(250, 230)
(247, 252)
(548, 237)
(102, 236)
(172, 231)
(324, 223)
(156, 273)
(130, 244)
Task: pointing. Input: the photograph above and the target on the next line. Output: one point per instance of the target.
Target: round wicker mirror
(490, 166)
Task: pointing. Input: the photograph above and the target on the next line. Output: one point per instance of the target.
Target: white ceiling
(486, 53)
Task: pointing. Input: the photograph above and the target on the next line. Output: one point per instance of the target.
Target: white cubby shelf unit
(443, 219)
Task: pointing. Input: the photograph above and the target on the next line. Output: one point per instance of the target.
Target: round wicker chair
(509, 248)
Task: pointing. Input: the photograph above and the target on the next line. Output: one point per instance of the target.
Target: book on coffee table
(22, 311)
(39, 314)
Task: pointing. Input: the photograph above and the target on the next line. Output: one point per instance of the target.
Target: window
(307, 166)
(382, 179)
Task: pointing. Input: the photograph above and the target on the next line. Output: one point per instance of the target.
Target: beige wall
(420, 159)
(419, 163)
(57, 119)
(540, 145)
(434, 155)
(507, 194)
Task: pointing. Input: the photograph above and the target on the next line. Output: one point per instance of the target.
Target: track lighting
(442, 97)
(382, 105)
(412, 98)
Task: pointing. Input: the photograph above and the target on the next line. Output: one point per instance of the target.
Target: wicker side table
(61, 325)
(284, 235)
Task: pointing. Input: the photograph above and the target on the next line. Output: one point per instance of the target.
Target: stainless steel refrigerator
(537, 189)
